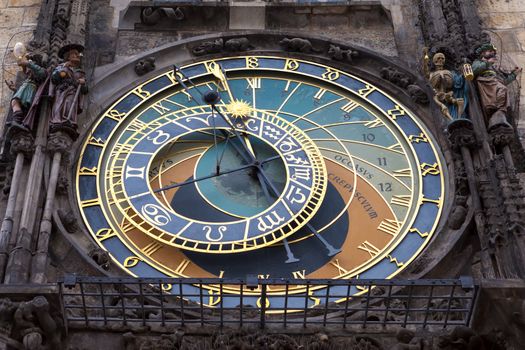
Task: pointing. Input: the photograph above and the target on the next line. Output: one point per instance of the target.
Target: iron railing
(92, 301)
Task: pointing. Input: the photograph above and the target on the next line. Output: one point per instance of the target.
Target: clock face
(300, 171)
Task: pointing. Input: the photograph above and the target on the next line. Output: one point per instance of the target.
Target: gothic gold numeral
(291, 65)
(389, 226)
(429, 200)
(264, 277)
(369, 248)
(350, 106)
(367, 90)
(214, 298)
(182, 266)
(341, 270)
(421, 234)
(287, 87)
(396, 112)
(160, 108)
(330, 74)
(151, 248)
(115, 115)
(90, 202)
(252, 62)
(418, 138)
(373, 123)
(96, 141)
(402, 173)
(143, 94)
(88, 171)
(131, 261)
(137, 125)
(402, 200)
(396, 147)
(105, 233)
(395, 261)
(266, 302)
(171, 76)
(432, 169)
(319, 94)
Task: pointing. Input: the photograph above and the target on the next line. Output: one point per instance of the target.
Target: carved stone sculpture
(219, 45)
(406, 341)
(339, 54)
(145, 66)
(208, 47)
(101, 257)
(68, 87)
(237, 45)
(34, 321)
(26, 98)
(450, 88)
(492, 85)
(297, 45)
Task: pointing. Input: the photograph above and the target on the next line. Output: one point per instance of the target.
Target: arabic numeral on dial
(381, 161)
(156, 214)
(385, 187)
(214, 236)
(160, 138)
(368, 137)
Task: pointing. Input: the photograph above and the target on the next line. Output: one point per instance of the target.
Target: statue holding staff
(68, 87)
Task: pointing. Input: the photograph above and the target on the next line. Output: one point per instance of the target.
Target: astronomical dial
(300, 170)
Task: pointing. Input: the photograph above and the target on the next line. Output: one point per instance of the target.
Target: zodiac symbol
(269, 221)
(273, 133)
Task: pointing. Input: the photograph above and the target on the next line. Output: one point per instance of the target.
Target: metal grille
(91, 301)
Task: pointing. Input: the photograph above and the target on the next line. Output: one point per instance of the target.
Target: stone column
(21, 146)
(462, 138)
(58, 143)
(17, 270)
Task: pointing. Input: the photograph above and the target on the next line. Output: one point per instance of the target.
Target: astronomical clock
(259, 165)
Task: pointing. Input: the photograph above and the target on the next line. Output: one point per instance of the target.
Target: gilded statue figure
(68, 87)
(450, 88)
(492, 85)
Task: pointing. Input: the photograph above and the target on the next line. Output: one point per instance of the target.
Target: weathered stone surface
(31, 16)
(23, 3)
(11, 17)
(503, 20)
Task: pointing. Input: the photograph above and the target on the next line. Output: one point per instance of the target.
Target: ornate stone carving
(69, 220)
(464, 338)
(101, 257)
(153, 15)
(339, 54)
(297, 45)
(406, 340)
(59, 141)
(34, 320)
(461, 134)
(406, 82)
(219, 45)
(145, 65)
(22, 142)
(7, 312)
(501, 135)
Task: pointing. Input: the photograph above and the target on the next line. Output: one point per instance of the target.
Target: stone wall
(18, 18)
(505, 21)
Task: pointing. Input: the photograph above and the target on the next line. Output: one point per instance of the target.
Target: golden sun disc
(239, 108)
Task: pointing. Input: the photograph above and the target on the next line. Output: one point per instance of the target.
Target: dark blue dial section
(261, 229)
